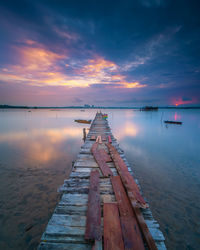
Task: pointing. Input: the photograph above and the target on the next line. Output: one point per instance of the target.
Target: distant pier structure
(102, 206)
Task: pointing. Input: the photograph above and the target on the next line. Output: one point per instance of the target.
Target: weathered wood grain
(105, 155)
(63, 246)
(112, 228)
(109, 139)
(100, 161)
(93, 224)
(93, 138)
(130, 229)
(128, 181)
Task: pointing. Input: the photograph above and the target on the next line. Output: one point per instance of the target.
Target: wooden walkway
(98, 209)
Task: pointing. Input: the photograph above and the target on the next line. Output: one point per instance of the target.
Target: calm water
(36, 153)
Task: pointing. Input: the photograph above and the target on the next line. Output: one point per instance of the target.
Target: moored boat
(83, 121)
(173, 122)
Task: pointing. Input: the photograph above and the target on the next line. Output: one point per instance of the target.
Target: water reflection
(167, 162)
(36, 153)
(40, 145)
(127, 129)
(177, 117)
(54, 135)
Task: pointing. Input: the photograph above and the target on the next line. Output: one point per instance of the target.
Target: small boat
(173, 122)
(83, 121)
(149, 108)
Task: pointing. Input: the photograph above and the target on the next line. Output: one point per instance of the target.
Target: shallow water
(36, 153)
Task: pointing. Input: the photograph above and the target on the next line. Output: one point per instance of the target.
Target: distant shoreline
(89, 107)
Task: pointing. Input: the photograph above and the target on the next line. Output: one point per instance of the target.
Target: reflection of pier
(101, 206)
(84, 134)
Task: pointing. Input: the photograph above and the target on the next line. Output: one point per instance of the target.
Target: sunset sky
(110, 53)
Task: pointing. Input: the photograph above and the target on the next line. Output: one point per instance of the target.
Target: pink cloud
(39, 66)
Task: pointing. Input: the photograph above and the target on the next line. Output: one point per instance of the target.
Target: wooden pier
(102, 205)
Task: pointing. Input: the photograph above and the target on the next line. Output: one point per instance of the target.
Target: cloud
(184, 99)
(152, 3)
(78, 49)
(39, 66)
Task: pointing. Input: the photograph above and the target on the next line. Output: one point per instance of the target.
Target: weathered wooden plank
(85, 190)
(140, 219)
(97, 245)
(63, 238)
(93, 137)
(109, 139)
(93, 224)
(144, 228)
(88, 170)
(91, 163)
(130, 229)
(56, 230)
(105, 155)
(68, 220)
(99, 140)
(87, 163)
(83, 175)
(74, 199)
(63, 246)
(100, 161)
(71, 210)
(83, 181)
(128, 181)
(112, 228)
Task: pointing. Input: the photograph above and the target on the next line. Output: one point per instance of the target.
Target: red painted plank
(130, 229)
(101, 161)
(112, 228)
(134, 196)
(93, 223)
(144, 229)
(104, 138)
(99, 139)
(105, 155)
(109, 139)
(128, 181)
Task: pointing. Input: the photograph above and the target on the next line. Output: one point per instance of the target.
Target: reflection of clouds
(54, 135)
(127, 129)
(41, 146)
(130, 129)
(41, 151)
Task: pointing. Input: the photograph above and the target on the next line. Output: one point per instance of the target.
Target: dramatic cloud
(131, 53)
(41, 67)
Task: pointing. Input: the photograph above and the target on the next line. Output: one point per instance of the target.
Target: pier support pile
(101, 206)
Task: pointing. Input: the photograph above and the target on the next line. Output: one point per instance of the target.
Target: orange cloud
(117, 77)
(39, 66)
(98, 68)
(131, 85)
(99, 64)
